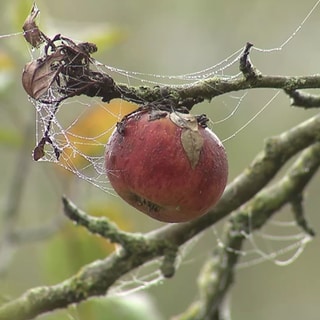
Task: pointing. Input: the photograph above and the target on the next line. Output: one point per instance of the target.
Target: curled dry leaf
(67, 66)
(191, 139)
(192, 143)
(38, 151)
(32, 33)
(38, 75)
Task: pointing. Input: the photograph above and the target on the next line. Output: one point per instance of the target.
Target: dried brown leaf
(38, 152)
(38, 75)
(184, 120)
(192, 143)
(191, 139)
(32, 32)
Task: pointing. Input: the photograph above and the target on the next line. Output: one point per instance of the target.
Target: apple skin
(147, 165)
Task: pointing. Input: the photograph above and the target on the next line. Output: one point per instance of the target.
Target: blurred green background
(162, 37)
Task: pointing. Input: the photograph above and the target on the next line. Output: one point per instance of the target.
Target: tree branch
(303, 99)
(218, 272)
(213, 87)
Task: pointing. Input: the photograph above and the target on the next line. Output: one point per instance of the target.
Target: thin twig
(101, 226)
(303, 99)
(298, 211)
(246, 67)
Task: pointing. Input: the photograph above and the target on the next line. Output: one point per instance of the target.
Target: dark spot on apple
(142, 202)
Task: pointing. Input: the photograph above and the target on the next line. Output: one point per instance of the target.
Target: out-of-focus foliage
(6, 70)
(74, 247)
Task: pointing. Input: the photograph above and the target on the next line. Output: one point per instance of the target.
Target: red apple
(166, 165)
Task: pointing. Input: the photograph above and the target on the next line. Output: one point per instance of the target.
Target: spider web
(82, 148)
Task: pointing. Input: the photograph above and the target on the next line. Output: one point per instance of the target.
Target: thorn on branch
(246, 66)
(298, 211)
(303, 99)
